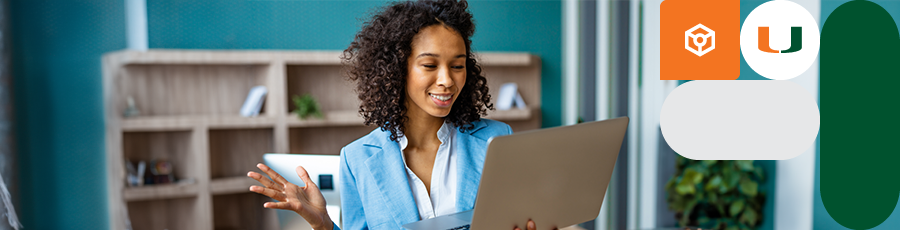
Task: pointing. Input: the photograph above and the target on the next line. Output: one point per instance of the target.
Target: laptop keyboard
(464, 227)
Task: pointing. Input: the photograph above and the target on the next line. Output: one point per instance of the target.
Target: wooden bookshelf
(189, 102)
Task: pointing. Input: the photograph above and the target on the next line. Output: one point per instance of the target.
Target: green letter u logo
(796, 40)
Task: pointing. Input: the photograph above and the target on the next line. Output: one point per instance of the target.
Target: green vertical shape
(859, 157)
(796, 40)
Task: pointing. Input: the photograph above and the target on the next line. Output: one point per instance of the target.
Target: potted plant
(716, 194)
(306, 106)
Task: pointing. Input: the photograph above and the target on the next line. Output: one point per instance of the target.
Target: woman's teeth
(442, 98)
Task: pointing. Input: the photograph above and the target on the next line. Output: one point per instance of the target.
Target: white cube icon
(696, 36)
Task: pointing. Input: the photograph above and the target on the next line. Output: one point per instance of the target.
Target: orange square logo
(700, 40)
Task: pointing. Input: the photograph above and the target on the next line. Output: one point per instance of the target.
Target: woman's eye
(459, 67)
(430, 66)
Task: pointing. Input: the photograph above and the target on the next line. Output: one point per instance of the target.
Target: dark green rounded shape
(859, 71)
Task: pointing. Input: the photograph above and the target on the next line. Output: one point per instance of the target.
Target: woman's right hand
(306, 201)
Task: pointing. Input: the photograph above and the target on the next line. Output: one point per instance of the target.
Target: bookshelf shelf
(231, 185)
(512, 114)
(163, 191)
(330, 118)
(189, 102)
(176, 123)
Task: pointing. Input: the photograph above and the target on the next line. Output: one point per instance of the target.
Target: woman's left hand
(306, 201)
(531, 226)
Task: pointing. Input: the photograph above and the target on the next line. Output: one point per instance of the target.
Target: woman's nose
(443, 77)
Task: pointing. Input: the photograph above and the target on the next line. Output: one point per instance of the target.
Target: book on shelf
(509, 96)
(254, 101)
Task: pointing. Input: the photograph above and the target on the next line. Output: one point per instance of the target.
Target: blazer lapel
(469, 167)
(387, 168)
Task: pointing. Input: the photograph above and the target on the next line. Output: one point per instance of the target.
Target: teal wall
(821, 219)
(510, 26)
(747, 73)
(56, 47)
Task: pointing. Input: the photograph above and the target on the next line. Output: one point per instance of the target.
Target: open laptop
(556, 177)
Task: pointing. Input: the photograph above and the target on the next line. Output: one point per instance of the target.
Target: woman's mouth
(441, 97)
(442, 100)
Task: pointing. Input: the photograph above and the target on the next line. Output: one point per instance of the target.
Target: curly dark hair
(377, 61)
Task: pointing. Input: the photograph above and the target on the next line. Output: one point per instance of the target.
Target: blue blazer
(375, 192)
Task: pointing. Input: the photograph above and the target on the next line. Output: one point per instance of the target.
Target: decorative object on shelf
(135, 175)
(131, 110)
(306, 106)
(254, 101)
(509, 96)
(161, 172)
(717, 194)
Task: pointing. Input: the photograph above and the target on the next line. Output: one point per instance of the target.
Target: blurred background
(64, 135)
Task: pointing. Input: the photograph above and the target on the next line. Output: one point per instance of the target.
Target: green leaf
(713, 183)
(726, 171)
(733, 180)
(734, 227)
(709, 162)
(724, 187)
(749, 218)
(749, 187)
(688, 180)
(745, 165)
(689, 174)
(693, 175)
(736, 208)
(700, 168)
(685, 187)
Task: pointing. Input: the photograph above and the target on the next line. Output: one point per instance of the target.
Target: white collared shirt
(443, 177)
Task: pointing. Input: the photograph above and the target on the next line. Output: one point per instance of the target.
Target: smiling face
(436, 71)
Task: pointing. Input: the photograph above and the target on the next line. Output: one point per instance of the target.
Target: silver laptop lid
(556, 177)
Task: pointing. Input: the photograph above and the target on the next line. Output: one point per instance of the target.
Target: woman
(418, 80)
